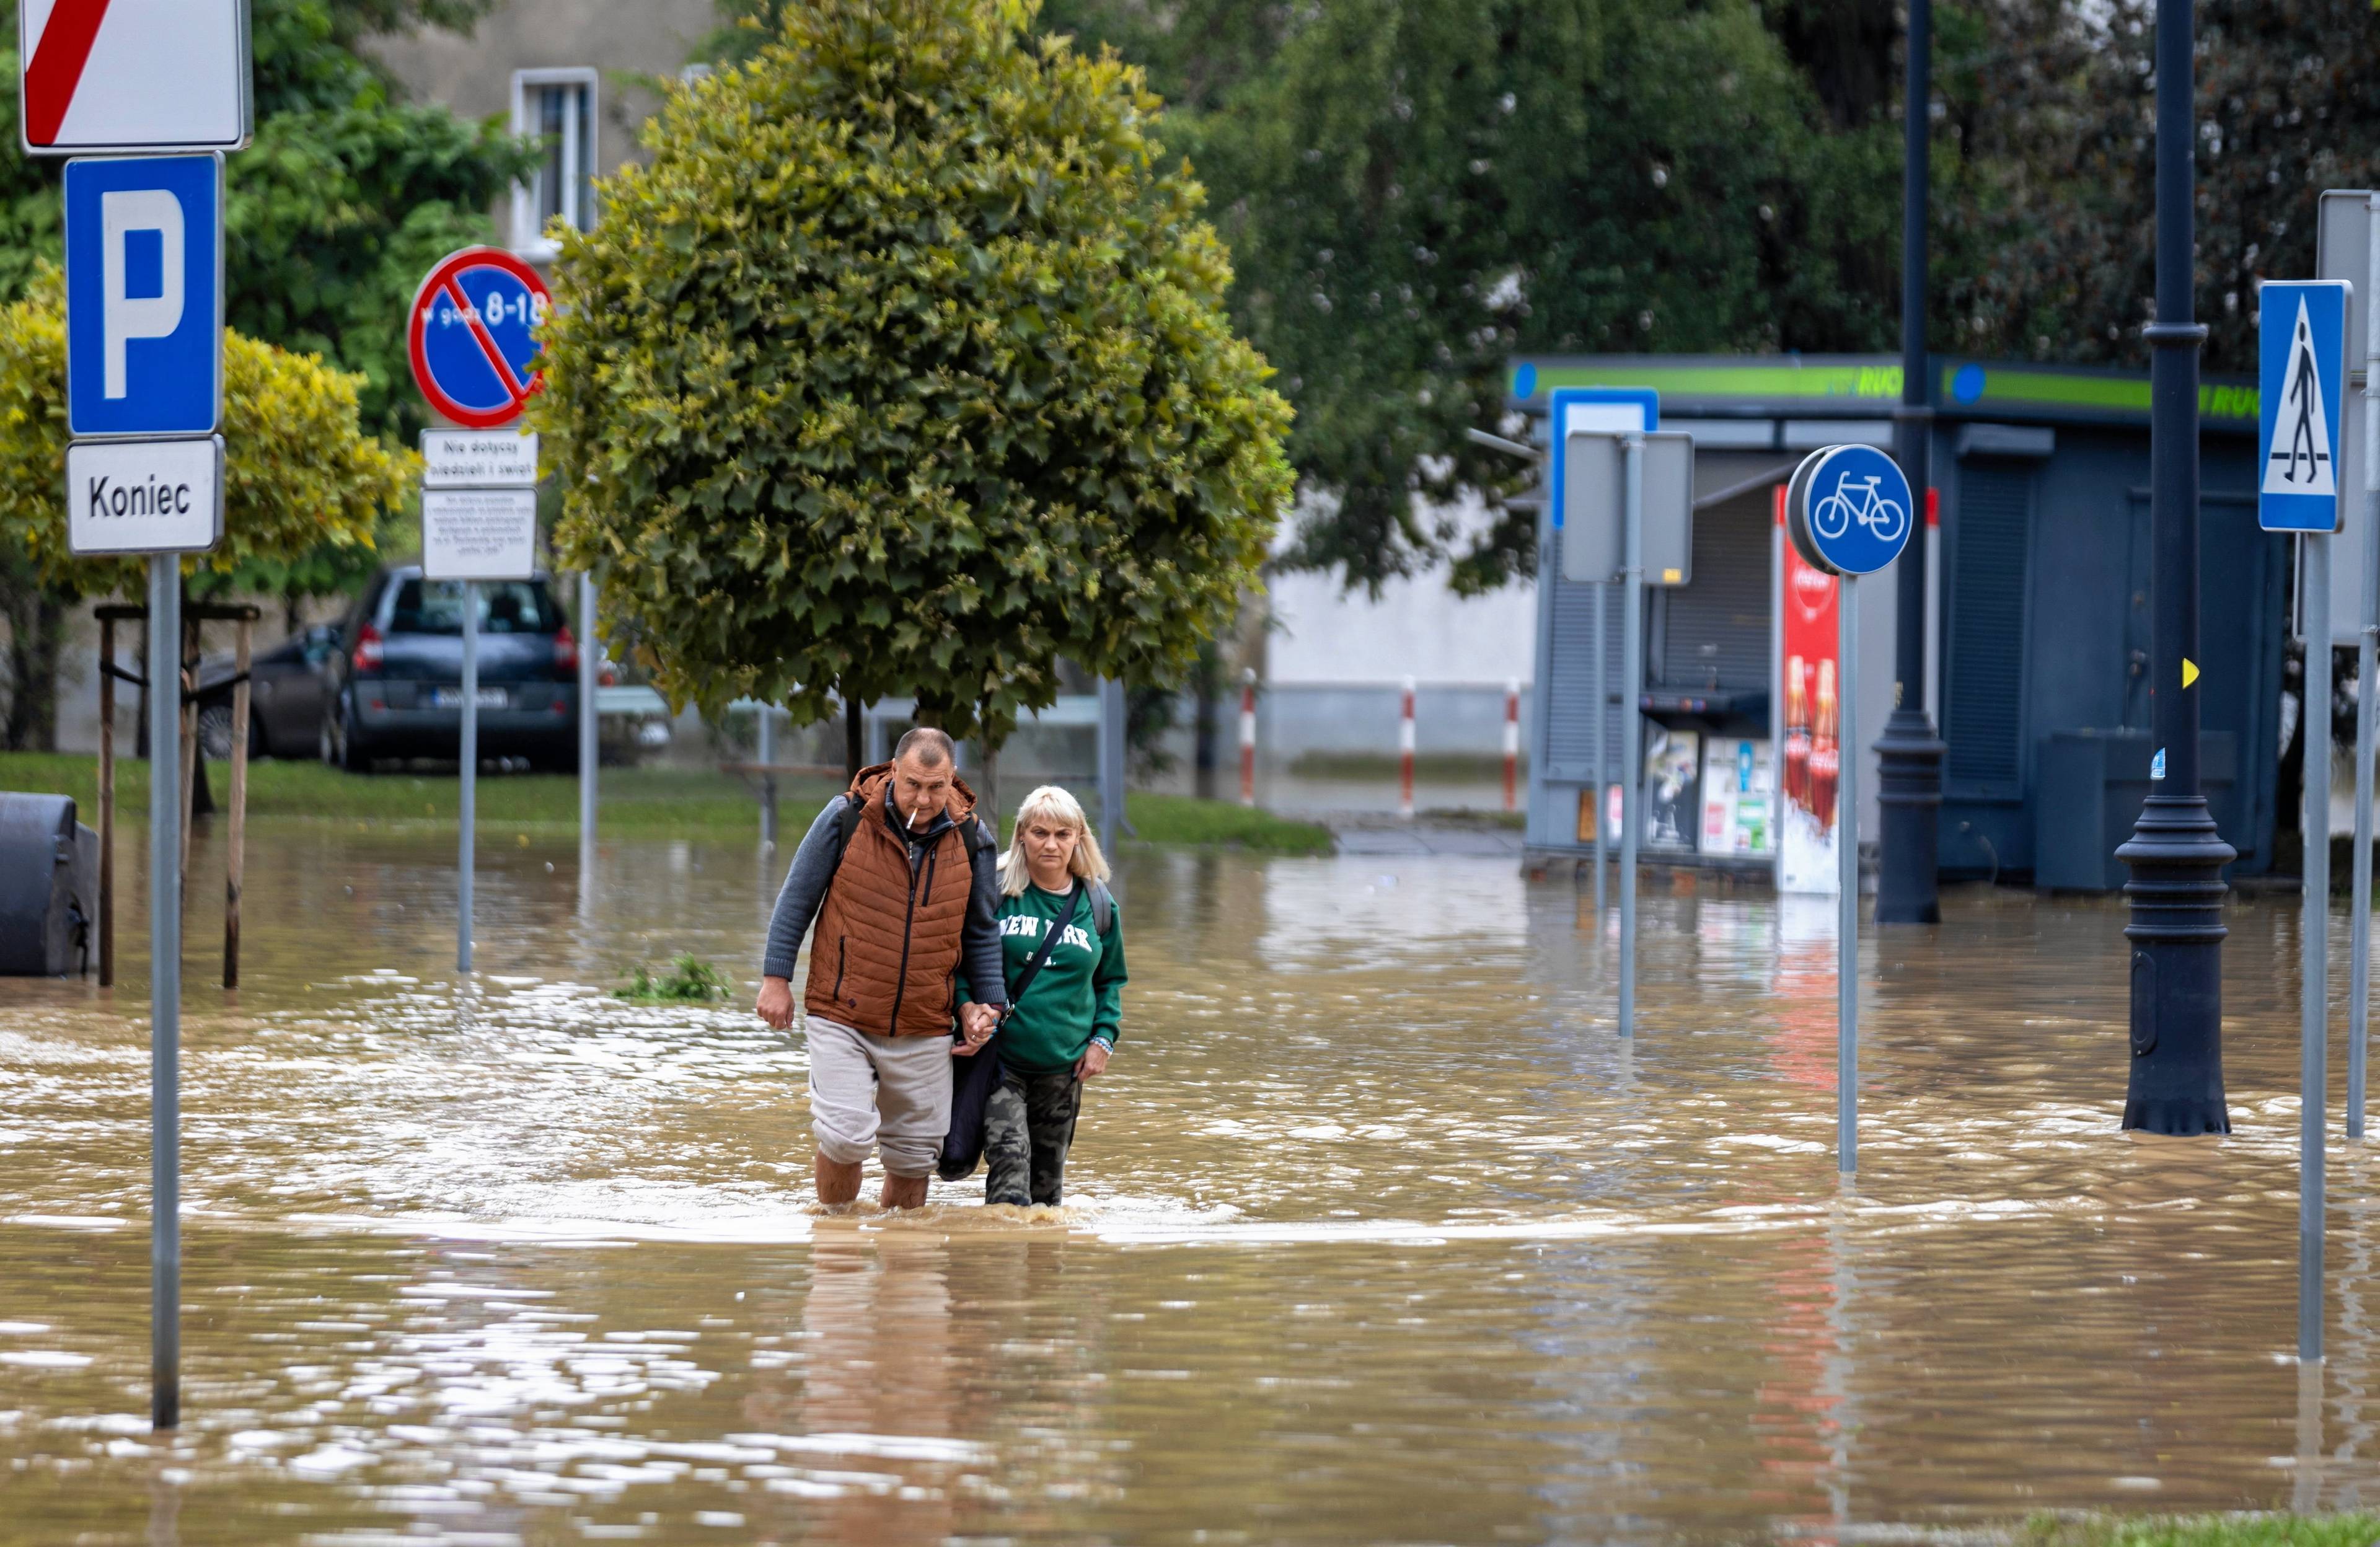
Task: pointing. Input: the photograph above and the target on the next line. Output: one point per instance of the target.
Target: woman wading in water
(1060, 1030)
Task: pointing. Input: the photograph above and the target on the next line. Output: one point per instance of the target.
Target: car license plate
(451, 698)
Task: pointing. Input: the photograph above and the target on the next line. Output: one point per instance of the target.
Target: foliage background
(345, 198)
(299, 471)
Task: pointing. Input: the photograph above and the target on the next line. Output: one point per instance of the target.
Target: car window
(506, 607)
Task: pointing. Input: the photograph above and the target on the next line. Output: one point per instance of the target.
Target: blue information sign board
(2302, 380)
(1604, 409)
(144, 296)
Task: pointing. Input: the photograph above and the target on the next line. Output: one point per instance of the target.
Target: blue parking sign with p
(144, 295)
(2302, 388)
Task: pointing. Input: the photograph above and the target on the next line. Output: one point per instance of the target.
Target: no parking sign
(472, 335)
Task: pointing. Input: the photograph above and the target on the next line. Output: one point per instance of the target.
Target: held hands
(977, 1023)
(1094, 1061)
(776, 1003)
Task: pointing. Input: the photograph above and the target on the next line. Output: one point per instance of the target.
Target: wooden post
(106, 802)
(233, 867)
(186, 683)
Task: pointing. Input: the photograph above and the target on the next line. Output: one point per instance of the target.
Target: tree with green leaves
(904, 368)
(1415, 190)
(2066, 94)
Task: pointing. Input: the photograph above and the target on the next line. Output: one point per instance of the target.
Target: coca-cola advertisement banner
(1809, 719)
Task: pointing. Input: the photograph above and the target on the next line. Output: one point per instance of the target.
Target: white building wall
(1336, 661)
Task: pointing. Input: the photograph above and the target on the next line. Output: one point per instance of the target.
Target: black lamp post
(2176, 857)
(1909, 755)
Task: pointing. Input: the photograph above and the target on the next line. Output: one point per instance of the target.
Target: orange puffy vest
(886, 946)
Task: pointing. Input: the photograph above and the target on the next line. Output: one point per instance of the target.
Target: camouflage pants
(1028, 1124)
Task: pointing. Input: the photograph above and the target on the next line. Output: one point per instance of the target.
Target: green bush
(904, 368)
(690, 981)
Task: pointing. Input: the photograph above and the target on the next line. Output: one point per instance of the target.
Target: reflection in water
(1382, 1236)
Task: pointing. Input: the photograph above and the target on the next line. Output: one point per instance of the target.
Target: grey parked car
(288, 686)
(395, 690)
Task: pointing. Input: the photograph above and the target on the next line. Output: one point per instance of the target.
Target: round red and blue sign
(472, 335)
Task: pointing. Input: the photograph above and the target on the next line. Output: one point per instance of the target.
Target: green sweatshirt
(1077, 998)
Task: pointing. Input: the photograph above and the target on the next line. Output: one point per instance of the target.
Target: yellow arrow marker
(2189, 671)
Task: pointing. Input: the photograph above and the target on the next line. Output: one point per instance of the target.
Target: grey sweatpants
(870, 1093)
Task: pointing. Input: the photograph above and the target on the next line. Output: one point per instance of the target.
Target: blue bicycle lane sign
(1850, 512)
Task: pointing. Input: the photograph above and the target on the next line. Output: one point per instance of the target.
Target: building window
(557, 108)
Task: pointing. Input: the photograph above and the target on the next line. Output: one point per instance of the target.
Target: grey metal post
(1632, 729)
(767, 752)
(1602, 763)
(2314, 1038)
(1112, 759)
(1847, 871)
(589, 724)
(470, 774)
(165, 994)
(2359, 992)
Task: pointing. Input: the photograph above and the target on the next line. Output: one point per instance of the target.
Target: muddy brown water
(1377, 1233)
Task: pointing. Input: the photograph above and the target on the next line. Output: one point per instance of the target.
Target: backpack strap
(1102, 906)
(853, 809)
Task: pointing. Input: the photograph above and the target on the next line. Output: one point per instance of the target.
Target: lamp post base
(1909, 796)
(2177, 931)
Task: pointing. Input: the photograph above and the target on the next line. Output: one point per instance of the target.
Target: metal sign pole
(470, 773)
(1631, 730)
(1602, 759)
(2313, 1061)
(766, 745)
(2359, 992)
(590, 725)
(165, 994)
(1847, 828)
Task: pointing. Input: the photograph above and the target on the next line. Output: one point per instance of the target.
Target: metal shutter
(1570, 704)
(1986, 721)
(1719, 625)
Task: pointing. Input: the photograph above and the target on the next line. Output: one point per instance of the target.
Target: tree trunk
(1206, 679)
(36, 632)
(855, 735)
(987, 798)
(202, 799)
(140, 728)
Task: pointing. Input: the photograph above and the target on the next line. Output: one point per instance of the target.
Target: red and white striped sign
(133, 74)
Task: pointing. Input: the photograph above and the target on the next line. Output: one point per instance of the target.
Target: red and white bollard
(1406, 753)
(1248, 738)
(1512, 746)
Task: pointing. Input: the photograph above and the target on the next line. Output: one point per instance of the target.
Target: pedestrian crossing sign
(2303, 392)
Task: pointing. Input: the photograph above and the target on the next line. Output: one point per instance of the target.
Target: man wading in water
(903, 881)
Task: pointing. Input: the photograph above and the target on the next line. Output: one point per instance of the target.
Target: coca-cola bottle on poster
(1826, 754)
(1797, 734)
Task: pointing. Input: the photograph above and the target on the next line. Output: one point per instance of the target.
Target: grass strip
(2198, 1530)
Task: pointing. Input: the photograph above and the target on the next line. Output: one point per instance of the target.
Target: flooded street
(1375, 1234)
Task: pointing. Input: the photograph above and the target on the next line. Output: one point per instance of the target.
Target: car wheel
(355, 754)
(214, 732)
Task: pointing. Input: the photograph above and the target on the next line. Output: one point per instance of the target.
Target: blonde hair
(1053, 805)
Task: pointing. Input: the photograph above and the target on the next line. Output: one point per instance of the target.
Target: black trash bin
(49, 887)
